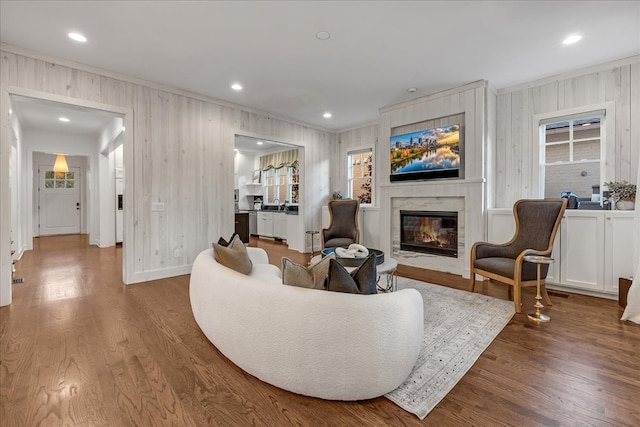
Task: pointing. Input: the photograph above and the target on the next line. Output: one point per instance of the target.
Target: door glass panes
(572, 156)
(57, 180)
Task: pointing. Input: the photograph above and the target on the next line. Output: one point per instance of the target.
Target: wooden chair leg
(516, 297)
(472, 281)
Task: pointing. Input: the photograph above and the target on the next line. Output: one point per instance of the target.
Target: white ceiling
(377, 49)
(44, 115)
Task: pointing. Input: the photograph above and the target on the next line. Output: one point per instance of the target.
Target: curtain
(278, 160)
(632, 312)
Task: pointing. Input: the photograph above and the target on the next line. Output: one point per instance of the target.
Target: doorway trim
(5, 202)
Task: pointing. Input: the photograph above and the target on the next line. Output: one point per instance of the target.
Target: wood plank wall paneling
(182, 157)
(472, 101)
(517, 153)
(366, 136)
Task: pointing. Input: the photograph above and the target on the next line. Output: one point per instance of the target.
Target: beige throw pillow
(313, 277)
(233, 256)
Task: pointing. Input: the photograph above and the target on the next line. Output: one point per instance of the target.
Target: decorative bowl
(355, 262)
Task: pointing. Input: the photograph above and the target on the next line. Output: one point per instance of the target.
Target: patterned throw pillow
(233, 256)
(362, 280)
(313, 277)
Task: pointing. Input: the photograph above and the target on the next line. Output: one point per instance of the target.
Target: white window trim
(607, 139)
(362, 149)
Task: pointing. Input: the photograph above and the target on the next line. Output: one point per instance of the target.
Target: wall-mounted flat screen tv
(426, 154)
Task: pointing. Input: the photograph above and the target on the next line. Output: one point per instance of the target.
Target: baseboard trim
(164, 273)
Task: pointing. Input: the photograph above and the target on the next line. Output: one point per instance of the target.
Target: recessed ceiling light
(323, 35)
(572, 39)
(411, 89)
(77, 37)
(64, 119)
(259, 142)
(327, 115)
(236, 86)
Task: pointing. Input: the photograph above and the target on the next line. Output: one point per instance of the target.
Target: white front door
(59, 204)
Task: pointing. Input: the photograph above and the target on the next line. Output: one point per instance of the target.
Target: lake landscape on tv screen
(425, 151)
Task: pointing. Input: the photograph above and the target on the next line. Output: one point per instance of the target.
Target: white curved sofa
(317, 343)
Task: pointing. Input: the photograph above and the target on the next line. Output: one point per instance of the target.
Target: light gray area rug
(458, 327)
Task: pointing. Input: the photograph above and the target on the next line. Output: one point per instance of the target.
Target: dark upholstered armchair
(343, 228)
(537, 222)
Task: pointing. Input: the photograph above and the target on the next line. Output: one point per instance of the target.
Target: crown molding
(570, 74)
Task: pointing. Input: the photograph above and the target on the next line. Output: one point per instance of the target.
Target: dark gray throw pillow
(362, 280)
(224, 243)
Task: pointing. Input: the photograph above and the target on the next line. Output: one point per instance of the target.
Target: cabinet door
(265, 224)
(582, 250)
(502, 225)
(280, 225)
(618, 249)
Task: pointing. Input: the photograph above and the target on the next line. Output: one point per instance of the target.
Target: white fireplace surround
(462, 196)
(428, 204)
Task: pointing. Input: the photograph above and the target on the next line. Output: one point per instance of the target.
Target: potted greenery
(623, 193)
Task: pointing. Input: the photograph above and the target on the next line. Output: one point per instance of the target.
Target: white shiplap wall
(477, 102)
(180, 153)
(616, 85)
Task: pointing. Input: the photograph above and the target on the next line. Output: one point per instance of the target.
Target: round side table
(538, 260)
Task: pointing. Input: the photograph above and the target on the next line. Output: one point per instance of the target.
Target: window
(281, 185)
(571, 156)
(55, 180)
(360, 173)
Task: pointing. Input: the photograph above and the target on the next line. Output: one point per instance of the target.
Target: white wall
(354, 139)
(109, 144)
(178, 151)
(245, 164)
(16, 188)
(614, 86)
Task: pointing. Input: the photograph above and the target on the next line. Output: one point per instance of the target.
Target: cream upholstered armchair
(343, 229)
(537, 222)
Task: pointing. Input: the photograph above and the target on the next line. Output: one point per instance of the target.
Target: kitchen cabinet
(265, 224)
(280, 225)
(592, 248)
(273, 224)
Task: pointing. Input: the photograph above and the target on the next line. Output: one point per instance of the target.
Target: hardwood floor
(77, 347)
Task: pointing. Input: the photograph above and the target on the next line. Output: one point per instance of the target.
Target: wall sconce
(61, 164)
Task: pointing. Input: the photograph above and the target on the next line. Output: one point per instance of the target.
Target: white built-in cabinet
(592, 248)
(265, 224)
(280, 225)
(272, 224)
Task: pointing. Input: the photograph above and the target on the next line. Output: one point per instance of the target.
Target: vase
(625, 205)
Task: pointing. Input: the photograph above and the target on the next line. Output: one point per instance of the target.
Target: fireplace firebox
(431, 232)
